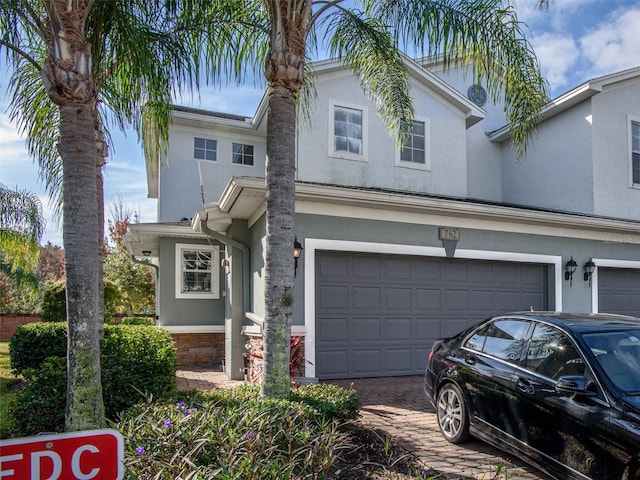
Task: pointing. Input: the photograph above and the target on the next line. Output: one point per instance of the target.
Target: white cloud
(614, 44)
(558, 55)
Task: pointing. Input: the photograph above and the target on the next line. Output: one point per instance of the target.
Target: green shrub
(136, 363)
(216, 436)
(136, 360)
(148, 321)
(40, 405)
(54, 302)
(33, 342)
(331, 401)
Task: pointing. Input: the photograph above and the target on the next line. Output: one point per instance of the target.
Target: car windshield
(618, 353)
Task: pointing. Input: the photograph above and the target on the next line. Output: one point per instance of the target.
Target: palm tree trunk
(280, 178)
(85, 408)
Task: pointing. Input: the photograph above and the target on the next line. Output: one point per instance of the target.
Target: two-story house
(400, 245)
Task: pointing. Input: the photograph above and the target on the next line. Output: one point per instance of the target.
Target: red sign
(88, 455)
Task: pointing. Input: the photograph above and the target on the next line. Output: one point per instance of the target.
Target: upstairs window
(205, 149)
(197, 274)
(413, 148)
(347, 132)
(635, 152)
(242, 154)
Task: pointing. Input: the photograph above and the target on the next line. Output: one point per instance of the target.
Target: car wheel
(453, 418)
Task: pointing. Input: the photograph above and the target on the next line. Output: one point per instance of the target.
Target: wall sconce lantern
(297, 251)
(589, 268)
(146, 253)
(569, 269)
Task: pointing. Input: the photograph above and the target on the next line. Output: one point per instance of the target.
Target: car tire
(453, 417)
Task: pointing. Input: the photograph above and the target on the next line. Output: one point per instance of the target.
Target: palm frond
(367, 47)
(483, 34)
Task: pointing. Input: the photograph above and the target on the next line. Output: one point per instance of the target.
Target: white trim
(256, 330)
(630, 120)
(215, 271)
(365, 131)
(426, 166)
(607, 263)
(193, 328)
(313, 244)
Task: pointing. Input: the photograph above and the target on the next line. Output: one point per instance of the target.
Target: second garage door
(619, 291)
(377, 315)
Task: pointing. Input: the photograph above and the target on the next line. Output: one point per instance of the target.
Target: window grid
(242, 154)
(413, 148)
(635, 152)
(196, 271)
(348, 130)
(205, 149)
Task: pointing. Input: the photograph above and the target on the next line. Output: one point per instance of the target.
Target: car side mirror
(574, 385)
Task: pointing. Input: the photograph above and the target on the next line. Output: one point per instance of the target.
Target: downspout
(246, 281)
(157, 269)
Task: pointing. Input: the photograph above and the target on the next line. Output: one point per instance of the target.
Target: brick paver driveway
(398, 406)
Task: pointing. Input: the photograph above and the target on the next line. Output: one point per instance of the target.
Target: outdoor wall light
(146, 253)
(589, 268)
(569, 269)
(297, 251)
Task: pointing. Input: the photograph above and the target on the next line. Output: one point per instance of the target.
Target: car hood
(633, 403)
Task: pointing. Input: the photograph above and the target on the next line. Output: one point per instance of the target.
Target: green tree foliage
(133, 280)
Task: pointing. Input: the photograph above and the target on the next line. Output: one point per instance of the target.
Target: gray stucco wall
(180, 180)
(179, 311)
(612, 112)
(557, 171)
(447, 147)
(577, 297)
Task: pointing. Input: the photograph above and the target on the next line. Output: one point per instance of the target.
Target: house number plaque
(446, 233)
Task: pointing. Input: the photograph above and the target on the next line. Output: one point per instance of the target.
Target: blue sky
(575, 40)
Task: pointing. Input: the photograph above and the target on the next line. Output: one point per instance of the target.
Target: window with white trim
(242, 154)
(415, 150)
(635, 153)
(348, 132)
(197, 271)
(205, 149)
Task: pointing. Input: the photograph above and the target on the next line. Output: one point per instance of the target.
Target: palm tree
(70, 60)
(21, 227)
(484, 34)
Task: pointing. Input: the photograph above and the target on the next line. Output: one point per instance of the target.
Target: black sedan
(559, 390)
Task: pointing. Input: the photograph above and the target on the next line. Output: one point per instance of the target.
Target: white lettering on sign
(75, 463)
(9, 458)
(36, 463)
(88, 455)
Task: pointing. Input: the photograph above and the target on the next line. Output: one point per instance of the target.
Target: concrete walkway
(399, 407)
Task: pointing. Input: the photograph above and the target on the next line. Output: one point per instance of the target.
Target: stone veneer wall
(253, 357)
(199, 350)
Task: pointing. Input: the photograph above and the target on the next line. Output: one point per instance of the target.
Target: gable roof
(200, 118)
(573, 97)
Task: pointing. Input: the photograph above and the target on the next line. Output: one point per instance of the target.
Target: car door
(567, 430)
(487, 371)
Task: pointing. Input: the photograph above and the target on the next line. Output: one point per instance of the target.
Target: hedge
(136, 362)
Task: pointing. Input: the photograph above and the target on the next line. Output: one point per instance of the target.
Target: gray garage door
(619, 291)
(377, 315)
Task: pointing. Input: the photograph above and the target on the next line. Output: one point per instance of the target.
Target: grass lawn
(6, 381)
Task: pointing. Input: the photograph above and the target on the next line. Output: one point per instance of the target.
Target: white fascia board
(406, 208)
